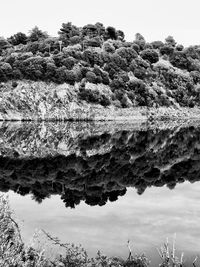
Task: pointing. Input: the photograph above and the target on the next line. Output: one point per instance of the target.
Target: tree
(170, 41)
(157, 44)
(4, 44)
(18, 38)
(111, 33)
(67, 31)
(36, 34)
(150, 55)
(140, 41)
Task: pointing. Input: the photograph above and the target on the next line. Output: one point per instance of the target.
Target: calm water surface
(102, 185)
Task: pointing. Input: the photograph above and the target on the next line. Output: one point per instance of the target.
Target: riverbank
(40, 101)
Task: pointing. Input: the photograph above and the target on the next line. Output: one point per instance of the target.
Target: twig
(159, 254)
(182, 255)
(194, 262)
(55, 240)
(174, 249)
(129, 248)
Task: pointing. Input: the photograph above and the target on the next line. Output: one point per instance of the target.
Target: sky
(145, 219)
(154, 19)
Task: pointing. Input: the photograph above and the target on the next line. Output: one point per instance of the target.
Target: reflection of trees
(106, 165)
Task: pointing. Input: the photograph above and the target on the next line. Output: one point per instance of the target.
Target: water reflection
(95, 163)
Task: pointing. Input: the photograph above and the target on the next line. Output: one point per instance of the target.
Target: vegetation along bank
(92, 72)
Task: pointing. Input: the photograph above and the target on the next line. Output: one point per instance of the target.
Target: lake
(101, 184)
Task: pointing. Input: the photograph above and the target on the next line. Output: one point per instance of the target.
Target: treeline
(139, 73)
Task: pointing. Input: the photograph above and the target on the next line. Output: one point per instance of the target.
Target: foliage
(3, 44)
(18, 38)
(150, 55)
(100, 55)
(36, 34)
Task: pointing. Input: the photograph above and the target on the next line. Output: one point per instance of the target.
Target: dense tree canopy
(138, 72)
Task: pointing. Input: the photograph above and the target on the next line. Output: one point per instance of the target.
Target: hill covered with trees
(104, 68)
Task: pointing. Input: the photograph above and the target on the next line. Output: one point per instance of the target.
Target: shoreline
(95, 113)
(40, 101)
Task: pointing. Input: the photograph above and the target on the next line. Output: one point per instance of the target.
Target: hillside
(100, 67)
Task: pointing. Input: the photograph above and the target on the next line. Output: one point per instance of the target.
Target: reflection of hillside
(96, 165)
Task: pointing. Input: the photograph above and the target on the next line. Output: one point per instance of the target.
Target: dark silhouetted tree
(18, 38)
(36, 34)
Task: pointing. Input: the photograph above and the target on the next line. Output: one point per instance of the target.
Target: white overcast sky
(154, 19)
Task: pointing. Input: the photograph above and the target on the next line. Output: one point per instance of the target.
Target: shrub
(138, 86)
(36, 34)
(140, 41)
(170, 41)
(18, 38)
(117, 83)
(91, 77)
(119, 61)
(70, 77)
(105, 77)
(33, 67)
(166, 50)
(61, 74)
(150, 55)
(5, 71)
(127, 53)
(111, 33)
(50, 71)
(68, 62)
(108, 47)
(136, 47)
(92, 57)
(75, 40)
(67, 31)
(93, 42)
(4, 44)
(195, 76)
(112, 69)
(180, 60)
(157, 44)
(179, 47)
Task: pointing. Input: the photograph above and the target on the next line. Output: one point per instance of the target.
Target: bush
(117, 83)
(166, 50)
(150, 55)
(5, 71)
(70, 77)
(108, 47)
(93, 42)
(36, 34)
(140, 41)
(170, 41)
(111, 33)
(157, 44)
(68, 62)
(127, 53)
(91, 77)
(180, 60)
(138, 86)
(179, 47)
(18, 38)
